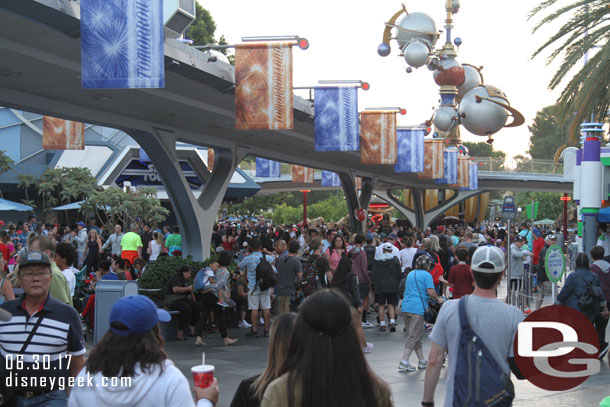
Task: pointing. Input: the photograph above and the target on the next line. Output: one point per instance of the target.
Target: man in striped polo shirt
(42, 345)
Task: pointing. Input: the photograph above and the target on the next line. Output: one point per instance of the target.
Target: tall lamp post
(305, 191)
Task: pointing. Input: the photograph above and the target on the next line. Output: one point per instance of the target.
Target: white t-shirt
(379, 251)
(406, 256)
(155, 250)
(70, 278)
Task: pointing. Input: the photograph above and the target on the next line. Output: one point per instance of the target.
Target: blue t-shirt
(414, 300)
(249, 264)
(110, 276)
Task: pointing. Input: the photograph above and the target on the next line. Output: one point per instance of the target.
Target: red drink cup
(203, 375)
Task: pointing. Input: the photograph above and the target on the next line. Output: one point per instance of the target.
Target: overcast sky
(344, 35)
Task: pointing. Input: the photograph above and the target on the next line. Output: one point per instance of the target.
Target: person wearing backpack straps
(257, 298)
(475, 315)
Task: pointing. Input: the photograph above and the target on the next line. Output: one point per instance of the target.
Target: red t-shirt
(538, 245)
(460, 276)
(6, 254)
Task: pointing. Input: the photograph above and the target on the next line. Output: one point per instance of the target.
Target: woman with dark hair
(228, 241)
(325, 366)
(346, 282)
(179, 297)
(250, 391)
(92, 251)
(129, 366)
(210, 302)
(337, 249)
(577, 284)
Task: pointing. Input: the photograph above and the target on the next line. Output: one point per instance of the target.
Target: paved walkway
(248, 357)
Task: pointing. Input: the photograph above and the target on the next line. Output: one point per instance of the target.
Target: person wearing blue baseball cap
(133, 351)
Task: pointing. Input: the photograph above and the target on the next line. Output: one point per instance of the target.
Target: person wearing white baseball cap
(484, 311)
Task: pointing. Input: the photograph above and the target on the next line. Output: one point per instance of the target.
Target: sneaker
(527, 311)
(603, 352)
(422, 364)
(223, 304)
(261, 321)
(367, 325)
(368, 348)
(251, 334)
(406, 367)
(244, 324)
(392, 327)
(382, 328)
(427, 327)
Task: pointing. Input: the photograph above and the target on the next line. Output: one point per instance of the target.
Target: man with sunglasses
(42, 345)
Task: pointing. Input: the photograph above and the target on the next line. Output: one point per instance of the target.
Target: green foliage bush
(159, 272)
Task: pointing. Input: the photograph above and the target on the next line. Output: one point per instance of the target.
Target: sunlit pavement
(248, 357)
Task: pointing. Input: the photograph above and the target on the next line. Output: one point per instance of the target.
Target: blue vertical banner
(451, 168)
(330, 179)
(267, 168)
(122, 44)
(336, 118)
(474, 177)
(409, 150)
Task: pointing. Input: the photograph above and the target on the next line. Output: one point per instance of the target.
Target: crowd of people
(314, 290)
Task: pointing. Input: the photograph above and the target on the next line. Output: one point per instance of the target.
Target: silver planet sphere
(416, 26)
(445, 118)
(473, 79)
(483, 117)
(416, 53)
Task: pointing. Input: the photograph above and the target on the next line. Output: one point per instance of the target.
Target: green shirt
(59, 289)
(131, 241)
(173, 242)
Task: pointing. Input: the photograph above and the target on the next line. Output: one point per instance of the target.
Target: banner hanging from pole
(122, 44)
(410, 150)
(59, 134)
(267, 168)
(473, 175)
(378, 137)
(451, 168)
(211, 158)
(303, 175)
(263, 86)
(336, 118)
(434, 159)
(330, 179)
(463, 173)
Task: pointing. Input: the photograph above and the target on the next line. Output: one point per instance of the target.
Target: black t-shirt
(216, 239)
(175, 281)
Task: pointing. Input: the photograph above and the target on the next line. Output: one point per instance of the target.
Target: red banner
(210, 159)
(434, 159)
(263, 86)
(303, 175)
(59, 134)
(378, 137)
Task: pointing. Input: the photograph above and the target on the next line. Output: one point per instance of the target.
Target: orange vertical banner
(463, 172)
(434, 159)
(378, 137)
(210, 159)
(263, 86)
(358, 183)
(59, 134)
(303, 175)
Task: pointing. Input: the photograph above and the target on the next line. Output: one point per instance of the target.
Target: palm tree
(587, 95)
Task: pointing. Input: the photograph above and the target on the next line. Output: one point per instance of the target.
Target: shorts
(259, 300)
(546, 287)
(389, 298)
(364, 289)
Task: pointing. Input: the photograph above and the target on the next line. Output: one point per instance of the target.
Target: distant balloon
(457, 41)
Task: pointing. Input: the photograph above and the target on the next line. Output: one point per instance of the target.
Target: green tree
(113, 205)
(548, 134)
(550, 205)
(5, 162)
(60, 186)
(25, 182)
(586, 29)
(203, 28)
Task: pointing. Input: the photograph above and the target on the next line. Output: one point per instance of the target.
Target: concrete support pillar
(354, 201)
(196, 217)
(417, 216)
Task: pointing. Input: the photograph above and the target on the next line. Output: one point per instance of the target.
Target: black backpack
(589, 302)
(479, 380)
(265, 276)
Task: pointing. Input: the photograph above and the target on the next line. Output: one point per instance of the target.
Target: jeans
(55, 398)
